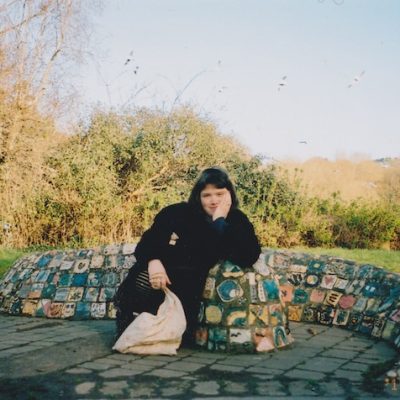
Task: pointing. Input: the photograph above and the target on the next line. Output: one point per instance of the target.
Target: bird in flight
(282, 83)
(356, 79)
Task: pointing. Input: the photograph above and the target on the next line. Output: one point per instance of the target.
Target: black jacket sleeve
(239, 242)
(150, 246)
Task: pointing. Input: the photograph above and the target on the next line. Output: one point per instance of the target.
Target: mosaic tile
(279, 336)
(75, 294)
(332, 298)
(275, 314)
(347, 301)
(97, 261)
(240, 339)
(43, 261)
(389, 330)
(98, 310)
(111, 262)
(65, 280)
(325, 315)
(91, 294)
(111, 250)
(82, 310)
(94, 279)
(217, 339)
(328, 281)
(263, 339)
(213, 314)
(341, 317)
(295, 278)
(29, 307)
(286, 293)
(295, 313)
(300, 296)
(56, 261)
(81, 266)
(271, 289)
(209, 288)
(61, 294)
(201, 336)
(79, 279)
(230, 270)
(43, 308)
(42, 276)
(312, 280)
(236, 317)
(49, 291)
(229, 290)
(107, 294)
(36, 291)
(111, 311)
(354, 321)
(55, 310)
(129, 262)
(110, 279)
(258, 313)
(128, 248)
(66, 265)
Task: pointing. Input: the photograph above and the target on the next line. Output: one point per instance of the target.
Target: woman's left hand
(224, 206)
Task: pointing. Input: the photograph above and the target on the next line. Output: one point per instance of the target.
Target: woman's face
(211, 197)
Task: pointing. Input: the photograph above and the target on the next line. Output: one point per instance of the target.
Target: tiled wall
(242, 310)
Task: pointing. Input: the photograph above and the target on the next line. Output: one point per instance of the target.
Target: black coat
(188, 243)
(200, 242)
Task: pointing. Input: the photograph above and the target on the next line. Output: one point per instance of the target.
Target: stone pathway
(59, 359)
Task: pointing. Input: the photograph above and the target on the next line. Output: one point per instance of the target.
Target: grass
(388, 259)
(7, 257)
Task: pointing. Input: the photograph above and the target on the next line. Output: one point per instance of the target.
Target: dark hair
(212, 176)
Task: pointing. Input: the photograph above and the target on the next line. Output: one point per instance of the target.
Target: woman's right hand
(157, 275)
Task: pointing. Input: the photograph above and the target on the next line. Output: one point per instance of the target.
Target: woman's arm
(239, 242)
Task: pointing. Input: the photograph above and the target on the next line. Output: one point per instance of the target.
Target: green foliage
(361, 225)
(105, 184)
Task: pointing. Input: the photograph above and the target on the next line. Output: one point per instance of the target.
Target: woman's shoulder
(237, 215)
(175, 209)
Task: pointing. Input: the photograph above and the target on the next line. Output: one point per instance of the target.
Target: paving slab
(83, 366)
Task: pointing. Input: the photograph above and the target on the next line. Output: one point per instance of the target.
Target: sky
(290, 79)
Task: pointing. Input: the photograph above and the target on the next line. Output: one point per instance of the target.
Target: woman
(184, 242)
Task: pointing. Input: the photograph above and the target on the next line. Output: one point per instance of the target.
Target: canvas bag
(155, 334)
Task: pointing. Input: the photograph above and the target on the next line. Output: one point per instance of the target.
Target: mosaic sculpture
(245, 310)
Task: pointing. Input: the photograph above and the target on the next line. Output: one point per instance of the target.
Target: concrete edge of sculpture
(241, 310)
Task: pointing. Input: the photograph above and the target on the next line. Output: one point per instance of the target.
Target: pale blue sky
(231, 55)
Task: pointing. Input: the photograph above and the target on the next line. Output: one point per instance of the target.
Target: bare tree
(41, 41)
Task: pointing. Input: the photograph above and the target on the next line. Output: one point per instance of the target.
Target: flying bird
(356, 80)
(282, 83)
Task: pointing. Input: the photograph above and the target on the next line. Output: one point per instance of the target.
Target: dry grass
(363, 179)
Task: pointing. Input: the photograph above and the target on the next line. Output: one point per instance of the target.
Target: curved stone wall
(75, 284)
(241, 309)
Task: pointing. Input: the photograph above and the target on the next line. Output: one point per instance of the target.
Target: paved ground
(57, 359)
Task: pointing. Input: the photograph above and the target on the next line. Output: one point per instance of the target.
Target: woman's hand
(224, 206)
(157, 275)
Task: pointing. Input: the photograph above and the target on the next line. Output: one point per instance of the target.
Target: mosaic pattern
(333, 291)
(78, 284)
(242, 310)
(245, 310)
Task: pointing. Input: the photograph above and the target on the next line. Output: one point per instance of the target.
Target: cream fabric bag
(155, 334)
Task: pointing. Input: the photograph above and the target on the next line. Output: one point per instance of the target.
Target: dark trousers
(135, 296)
